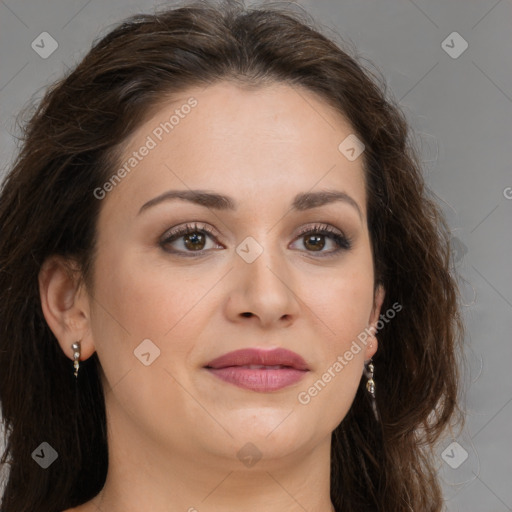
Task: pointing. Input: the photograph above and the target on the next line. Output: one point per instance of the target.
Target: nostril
(247, 314)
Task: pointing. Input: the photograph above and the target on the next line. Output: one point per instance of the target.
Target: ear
(65, 305)
(372, 345)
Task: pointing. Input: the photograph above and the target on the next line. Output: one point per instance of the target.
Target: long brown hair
(48, 206)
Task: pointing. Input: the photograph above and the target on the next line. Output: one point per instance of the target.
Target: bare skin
(174, 429)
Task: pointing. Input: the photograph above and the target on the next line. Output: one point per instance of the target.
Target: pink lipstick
(258, 369)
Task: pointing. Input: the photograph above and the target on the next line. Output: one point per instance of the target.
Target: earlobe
(65, 305)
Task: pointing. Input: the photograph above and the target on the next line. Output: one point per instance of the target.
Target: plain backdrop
(448, 64)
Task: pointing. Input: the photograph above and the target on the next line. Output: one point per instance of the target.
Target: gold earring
(76, 356)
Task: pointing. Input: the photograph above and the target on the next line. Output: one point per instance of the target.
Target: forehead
(264, 142)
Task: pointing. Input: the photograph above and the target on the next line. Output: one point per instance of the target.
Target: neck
(147, 477)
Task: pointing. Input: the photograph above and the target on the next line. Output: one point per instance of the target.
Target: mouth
(259, 370)
(260, 367)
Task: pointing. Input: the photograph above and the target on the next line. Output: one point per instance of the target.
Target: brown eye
(314, 242)
(188, 239)
(194, 241)
(315, 239)
(191, 240)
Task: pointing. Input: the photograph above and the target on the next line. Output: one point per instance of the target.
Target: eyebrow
(301, 202)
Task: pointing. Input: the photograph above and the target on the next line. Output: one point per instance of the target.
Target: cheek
(138, 299)
(130, 306)
(343, 302)
(344, 310)
(331, 389)
(134, 304)
(143, 299)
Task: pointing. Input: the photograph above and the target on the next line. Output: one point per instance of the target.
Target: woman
(223, 283)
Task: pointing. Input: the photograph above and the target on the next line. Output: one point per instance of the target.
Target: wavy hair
(47, 206)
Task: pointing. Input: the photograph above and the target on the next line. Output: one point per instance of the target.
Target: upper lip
(257, 356)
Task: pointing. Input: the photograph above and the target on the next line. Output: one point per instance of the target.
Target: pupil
(192, 239)
(317, 244)
(314, 242)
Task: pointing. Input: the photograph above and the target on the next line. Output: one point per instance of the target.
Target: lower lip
(258, 379)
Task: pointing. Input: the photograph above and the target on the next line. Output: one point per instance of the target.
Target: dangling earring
(76, 356)
(370, 385)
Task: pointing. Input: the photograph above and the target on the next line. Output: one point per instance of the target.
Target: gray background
(460, 109)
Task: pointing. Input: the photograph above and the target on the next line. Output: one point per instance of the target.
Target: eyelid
(189, 227)
(320, 226)
(342, 241)
(201, 226)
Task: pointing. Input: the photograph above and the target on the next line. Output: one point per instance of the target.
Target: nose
(263, 291)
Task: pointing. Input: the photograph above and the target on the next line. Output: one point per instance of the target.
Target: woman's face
(165, 306)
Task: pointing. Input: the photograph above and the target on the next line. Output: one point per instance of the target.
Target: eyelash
(344, 243)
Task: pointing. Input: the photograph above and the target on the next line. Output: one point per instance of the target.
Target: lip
(234, 368)
(258, 356)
